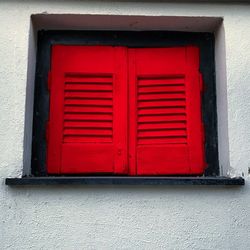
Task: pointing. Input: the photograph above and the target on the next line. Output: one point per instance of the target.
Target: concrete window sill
(122, 180)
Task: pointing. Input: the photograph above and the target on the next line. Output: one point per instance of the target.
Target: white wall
(125, 217)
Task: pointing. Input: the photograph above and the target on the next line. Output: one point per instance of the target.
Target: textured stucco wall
(125, 217)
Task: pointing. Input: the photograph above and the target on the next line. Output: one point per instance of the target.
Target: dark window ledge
(122, 180)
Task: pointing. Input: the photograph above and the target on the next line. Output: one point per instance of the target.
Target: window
(125, 103)
(90, 127)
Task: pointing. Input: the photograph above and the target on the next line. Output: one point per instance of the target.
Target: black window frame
(135, 39)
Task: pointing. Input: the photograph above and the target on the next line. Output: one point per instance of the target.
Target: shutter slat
(167, 140)
(86, 102)
(84, 109)
(88, 132)
(160, 126)
(88, 95)
(88, 117)
(83, 78)
(88, 87)
(88, 124)
(161, 118)
(161, 96)
(161, 111)
(162, 89)
(161, 133)
(160, 81)
(86, 139)
(162, 104)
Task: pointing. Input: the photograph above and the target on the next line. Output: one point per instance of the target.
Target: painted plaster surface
(125, 217)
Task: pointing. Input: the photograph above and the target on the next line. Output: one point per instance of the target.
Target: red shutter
(88, 129)
(166, 134)
(88, 114)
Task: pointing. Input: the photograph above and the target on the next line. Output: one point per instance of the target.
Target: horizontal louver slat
(88, 117)
(87, 86)
(87, 132)
(162, 111)
(159, 126)
(88, 95)
(169, 140)
(88, 108)
(86, 139)
(159, 96)
(159, 81)
(161, 118)
(162, 89)
(88, 124)
(86, 102)
(102, 79)
(162, 133)
(161, 104)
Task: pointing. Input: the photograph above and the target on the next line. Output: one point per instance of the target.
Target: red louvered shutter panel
(88, 110)
(88, 123)
(166, 133)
